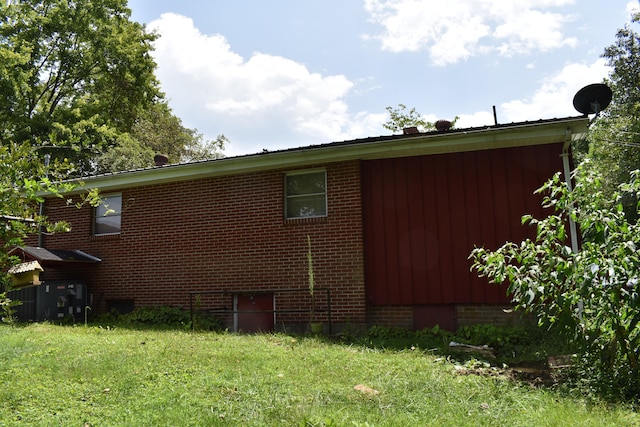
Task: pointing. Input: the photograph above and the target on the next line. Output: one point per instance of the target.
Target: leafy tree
(206, 150)
(126, 154)
(401, 118)
(21, 192)
(78, 75)
(591, 295)
(161, 132)
(615, 135)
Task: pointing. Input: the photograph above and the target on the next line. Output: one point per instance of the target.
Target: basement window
(107, 215)
(306, 194)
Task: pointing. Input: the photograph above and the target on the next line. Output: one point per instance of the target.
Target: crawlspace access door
(254, 312)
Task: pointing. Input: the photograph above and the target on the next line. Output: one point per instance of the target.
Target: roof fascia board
(424, 144)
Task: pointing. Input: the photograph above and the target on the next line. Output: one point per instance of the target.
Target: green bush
(495, 336)
(590, 295)
(162, 316)
(7, 309)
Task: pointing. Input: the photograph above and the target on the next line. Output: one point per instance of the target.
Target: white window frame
(104, 203)
(288, 197)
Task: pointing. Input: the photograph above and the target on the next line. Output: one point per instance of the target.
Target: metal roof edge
(482, 138)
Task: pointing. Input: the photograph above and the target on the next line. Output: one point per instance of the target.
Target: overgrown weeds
(161, 317)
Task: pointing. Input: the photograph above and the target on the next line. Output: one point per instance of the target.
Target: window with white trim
(107, 215)
(306, 194)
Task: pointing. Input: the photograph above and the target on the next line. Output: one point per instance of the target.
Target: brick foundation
(401, 316)
(449, 317)
(499, 315)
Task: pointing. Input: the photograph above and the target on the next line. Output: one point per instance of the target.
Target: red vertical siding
(402, 202)
(434, 274)
(424, 215)
(474, 224)
(417, 249)
(441, 224)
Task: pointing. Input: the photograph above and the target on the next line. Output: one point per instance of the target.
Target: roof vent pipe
(161, 159)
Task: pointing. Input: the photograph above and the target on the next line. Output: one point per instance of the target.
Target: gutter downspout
(573, 231)
(567, 176)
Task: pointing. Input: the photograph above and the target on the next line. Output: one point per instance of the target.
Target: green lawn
(68, 376)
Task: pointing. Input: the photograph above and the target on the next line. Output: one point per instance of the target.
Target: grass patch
(68, 376)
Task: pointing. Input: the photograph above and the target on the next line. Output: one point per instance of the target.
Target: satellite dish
(592, 99)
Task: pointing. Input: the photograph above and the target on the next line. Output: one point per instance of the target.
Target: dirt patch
(534, 377)
(538, 376)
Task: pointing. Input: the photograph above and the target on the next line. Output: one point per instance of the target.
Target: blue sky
(288, 73)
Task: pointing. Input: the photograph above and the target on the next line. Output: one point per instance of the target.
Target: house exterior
(391, 221)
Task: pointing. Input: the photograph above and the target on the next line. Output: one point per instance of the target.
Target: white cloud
(454, 31)
(554, 98)
(480, 118)
(272, 102)
(365, 124)
(249, 100)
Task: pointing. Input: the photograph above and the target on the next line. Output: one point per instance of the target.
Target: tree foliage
(591, 295)
(614, 136)
(157, 131)
(401, 118)
(162, 132)
(78, 75)
(24, 180)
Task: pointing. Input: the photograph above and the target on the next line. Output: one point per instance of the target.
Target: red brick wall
(223, 233)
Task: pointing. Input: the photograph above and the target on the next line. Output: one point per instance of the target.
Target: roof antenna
(592, 99)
